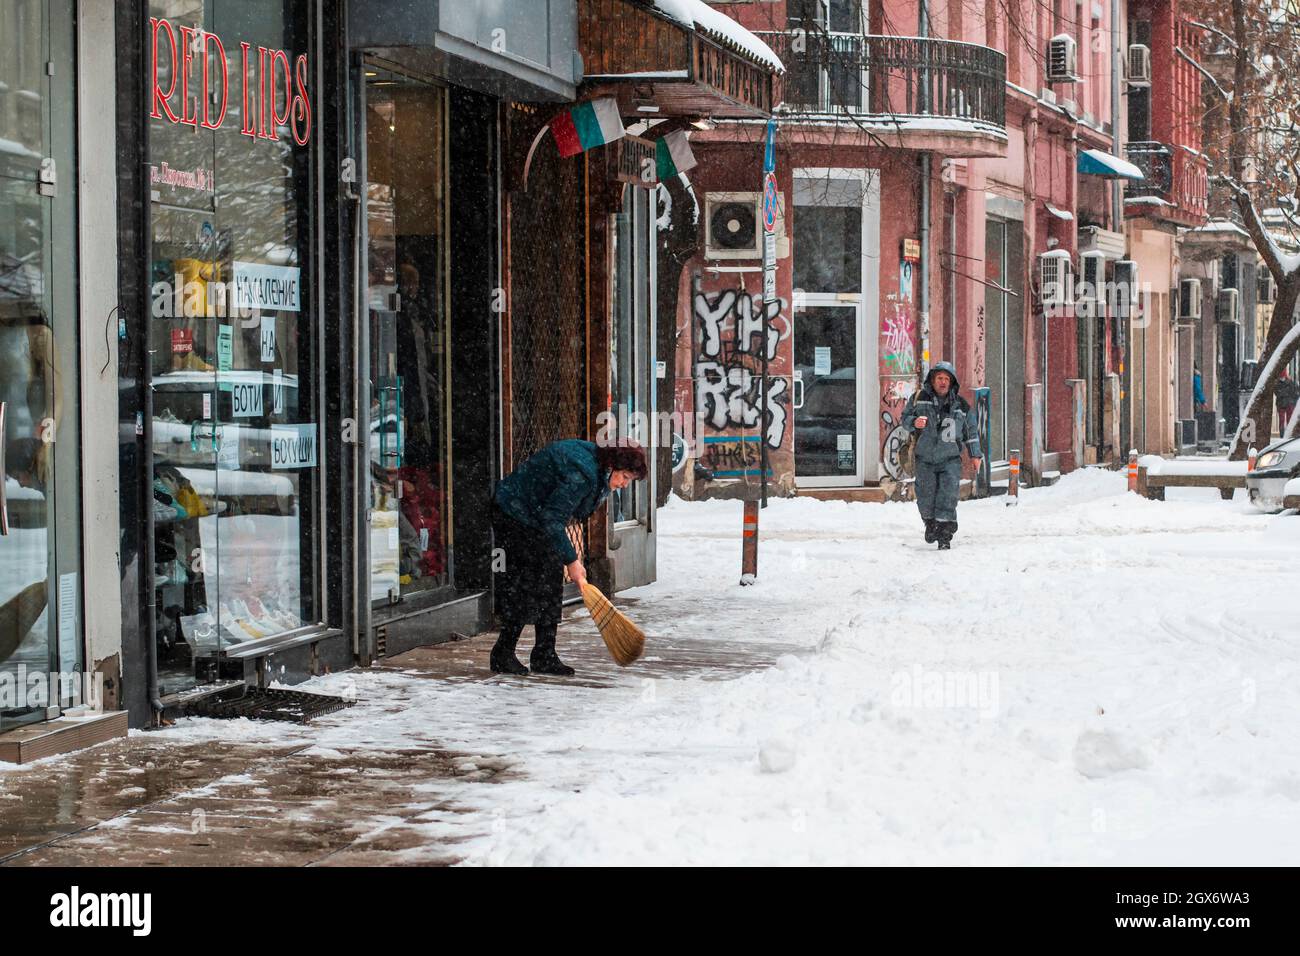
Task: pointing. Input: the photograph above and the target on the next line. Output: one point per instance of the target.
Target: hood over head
(944, 367)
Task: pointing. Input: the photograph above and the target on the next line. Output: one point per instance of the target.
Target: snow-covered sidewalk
(1088, 677)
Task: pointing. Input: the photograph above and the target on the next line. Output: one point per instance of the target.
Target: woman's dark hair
(626, 456)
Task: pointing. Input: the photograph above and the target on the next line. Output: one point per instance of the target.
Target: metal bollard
(1133, 469)
(749, 546)
(1013, 479)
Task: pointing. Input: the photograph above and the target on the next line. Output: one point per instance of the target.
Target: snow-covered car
(1275, 482)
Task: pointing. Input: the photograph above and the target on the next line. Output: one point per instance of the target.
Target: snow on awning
(1059, 213)
(698, 15)
(1094, 162)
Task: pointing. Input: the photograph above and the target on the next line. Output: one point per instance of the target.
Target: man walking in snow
(943, 422)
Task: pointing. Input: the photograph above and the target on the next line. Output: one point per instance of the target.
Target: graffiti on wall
(728, 372)
(979, 346)
(893, 401)
(898, 340)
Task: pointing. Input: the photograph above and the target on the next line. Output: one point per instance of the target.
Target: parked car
(1276, 467)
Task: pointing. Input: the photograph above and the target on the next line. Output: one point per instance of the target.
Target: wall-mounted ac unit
(1062, 59)
(1139, 65)
(1265, 288)
(1056, 279)
(1092, 285)
(1227, 306)
(732, 226)
(1189, 300)
(1126, 287)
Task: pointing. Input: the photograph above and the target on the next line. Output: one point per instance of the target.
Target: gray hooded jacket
(951, 421)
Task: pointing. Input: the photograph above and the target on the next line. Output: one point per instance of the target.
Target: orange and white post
(1133, 469)
(749, 547)
(1013, 479)
(1250, 458)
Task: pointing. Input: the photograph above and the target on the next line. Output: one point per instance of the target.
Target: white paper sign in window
(293, 446)
(261, 286)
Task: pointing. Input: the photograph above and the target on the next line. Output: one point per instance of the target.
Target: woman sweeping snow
(531, 511)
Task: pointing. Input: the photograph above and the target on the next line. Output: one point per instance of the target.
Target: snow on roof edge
(698, 15)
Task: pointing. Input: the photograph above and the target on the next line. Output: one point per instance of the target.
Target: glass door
(827, 403)
(406, 237)
(39, 547)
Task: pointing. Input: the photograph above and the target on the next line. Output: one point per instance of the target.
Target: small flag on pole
(586, 126)
(673, 155)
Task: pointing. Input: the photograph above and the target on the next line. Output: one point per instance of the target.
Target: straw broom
(624, 639)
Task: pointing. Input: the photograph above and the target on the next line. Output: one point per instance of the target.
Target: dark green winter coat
(951, 426)
(557, 484)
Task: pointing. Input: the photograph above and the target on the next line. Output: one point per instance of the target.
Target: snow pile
(1217, 467)
(1087, 678)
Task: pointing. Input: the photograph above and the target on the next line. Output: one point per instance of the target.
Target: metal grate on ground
(275, 703)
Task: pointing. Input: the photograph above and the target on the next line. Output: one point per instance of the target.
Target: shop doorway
(632, 382)
(39, 467)
(407, 305)
(1004, 324)
(836, 282)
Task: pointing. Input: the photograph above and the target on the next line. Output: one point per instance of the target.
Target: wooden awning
(643, 53)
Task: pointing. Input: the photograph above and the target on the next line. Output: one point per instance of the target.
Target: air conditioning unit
(1265, 288)
(1139, 65)
(1227, 306)
(1056, 279)
(1092, 285)
(733, 226)
(1126, 287)
(1189, 300)
(1062, 59)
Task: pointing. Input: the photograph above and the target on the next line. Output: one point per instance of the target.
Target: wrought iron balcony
(909, 82)
(1176, 187)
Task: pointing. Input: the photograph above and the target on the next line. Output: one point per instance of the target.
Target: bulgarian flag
(587, 126)
(673, 155)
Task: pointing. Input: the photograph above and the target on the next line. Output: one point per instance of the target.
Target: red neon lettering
(225, 81)
(301, 103)
(159, 97)
(280, 63)
(246, 122)
(187, 55)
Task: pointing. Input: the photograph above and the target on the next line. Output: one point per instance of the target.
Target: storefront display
(406, 222)
(40, 632)
(233, 335)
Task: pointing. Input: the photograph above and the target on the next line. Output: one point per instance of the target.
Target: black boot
(944, 530)
(930, 531)
(503, 659)
(544, 660)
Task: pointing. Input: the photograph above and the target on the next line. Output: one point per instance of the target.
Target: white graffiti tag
(733, 397)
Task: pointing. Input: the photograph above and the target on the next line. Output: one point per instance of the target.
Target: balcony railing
(903, 78)
(1176, 187)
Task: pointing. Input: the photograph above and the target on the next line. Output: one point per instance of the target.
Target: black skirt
(528, 576)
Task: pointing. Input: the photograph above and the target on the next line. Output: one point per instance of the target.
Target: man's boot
(944, 530)
(544, 660)
(930, 536)
(503, 659)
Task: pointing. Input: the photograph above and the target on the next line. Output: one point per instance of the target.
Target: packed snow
(1086, 678)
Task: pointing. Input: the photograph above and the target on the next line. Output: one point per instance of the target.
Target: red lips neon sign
(267, 80)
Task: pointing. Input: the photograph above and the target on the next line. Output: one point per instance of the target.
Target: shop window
(39, 482)
(406, 210)
(233, 333)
